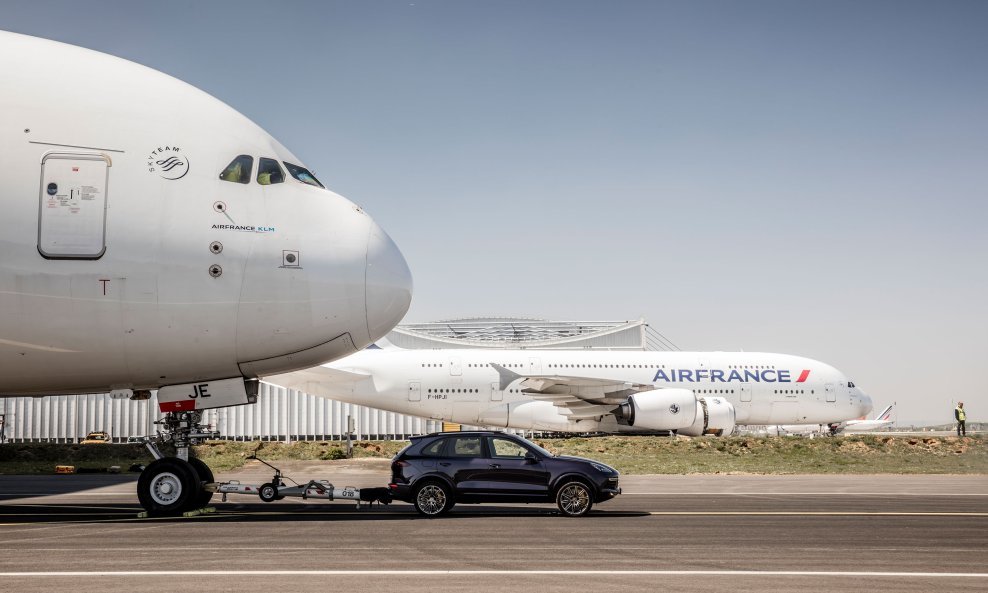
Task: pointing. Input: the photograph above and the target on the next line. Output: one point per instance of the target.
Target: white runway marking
(821, 513)
(737, 573)
(853, 494)
(127, 492)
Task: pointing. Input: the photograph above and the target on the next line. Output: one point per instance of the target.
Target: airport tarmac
(695, 533)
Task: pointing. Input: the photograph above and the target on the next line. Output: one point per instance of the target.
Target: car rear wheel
(433, 499)
(574, 499)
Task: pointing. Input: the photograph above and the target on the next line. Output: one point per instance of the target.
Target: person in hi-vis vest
(961, 417)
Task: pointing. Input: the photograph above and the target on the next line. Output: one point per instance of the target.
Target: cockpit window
(238, 171)
(303, 175)
(850, 383)
(269, 172)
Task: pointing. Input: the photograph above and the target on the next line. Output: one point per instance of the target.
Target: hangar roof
(531, 333)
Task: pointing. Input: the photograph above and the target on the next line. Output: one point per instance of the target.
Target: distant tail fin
(886, 414)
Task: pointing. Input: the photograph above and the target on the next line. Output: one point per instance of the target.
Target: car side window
(269, 172)
(465, 447)
(434, 449)
(238, 171)
(507, 448)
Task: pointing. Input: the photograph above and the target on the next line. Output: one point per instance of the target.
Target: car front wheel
(574, 499)
(433, 499)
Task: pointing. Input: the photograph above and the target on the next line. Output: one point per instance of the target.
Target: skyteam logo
(168, 162)
(734, 375)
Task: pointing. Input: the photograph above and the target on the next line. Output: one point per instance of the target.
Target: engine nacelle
(660, 409)
(714, 416)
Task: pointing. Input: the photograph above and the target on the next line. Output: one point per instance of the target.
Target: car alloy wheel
(574, 499)
(432, 500)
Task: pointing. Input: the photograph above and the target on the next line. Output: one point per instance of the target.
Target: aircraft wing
(579, 397)
(320, 381)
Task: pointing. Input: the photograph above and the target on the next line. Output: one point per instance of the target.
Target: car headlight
(604, 469)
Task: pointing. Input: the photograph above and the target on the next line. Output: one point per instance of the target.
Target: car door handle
(445, 463)
(495, 466)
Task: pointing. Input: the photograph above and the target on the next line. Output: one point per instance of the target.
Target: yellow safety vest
(961, 415)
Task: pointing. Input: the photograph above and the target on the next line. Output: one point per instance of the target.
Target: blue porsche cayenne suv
(438, 470)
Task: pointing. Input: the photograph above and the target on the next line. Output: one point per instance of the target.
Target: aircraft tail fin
(886, 414)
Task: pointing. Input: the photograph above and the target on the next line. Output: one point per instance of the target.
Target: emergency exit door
(72, 210)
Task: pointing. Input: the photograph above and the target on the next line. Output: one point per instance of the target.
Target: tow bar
(276, 489)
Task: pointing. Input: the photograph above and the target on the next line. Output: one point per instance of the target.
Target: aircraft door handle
(495, 466)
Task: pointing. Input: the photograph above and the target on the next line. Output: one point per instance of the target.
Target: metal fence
(279, 415)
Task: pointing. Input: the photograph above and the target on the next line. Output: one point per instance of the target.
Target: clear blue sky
(800, 177)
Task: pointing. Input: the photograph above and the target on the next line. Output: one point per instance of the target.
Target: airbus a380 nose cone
(389, 284)
(864, 402)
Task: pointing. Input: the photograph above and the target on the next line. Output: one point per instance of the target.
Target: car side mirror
(531, 458)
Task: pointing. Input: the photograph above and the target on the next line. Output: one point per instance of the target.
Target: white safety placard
(203, 395)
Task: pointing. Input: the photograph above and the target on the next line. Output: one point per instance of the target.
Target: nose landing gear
(173, 485)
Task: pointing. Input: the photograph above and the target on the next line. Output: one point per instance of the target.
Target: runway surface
(690, 533)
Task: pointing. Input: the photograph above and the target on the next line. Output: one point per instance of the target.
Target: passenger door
(511, 474)
(72, 216)
(465, 463)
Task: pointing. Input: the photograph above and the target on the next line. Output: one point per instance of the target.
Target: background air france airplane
(154, 238)
(882, 420)
(693, 393)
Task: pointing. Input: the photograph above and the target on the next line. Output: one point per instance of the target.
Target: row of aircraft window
(269, 171)
(597, 366)
(702, 391)
(789, 391)
(467, 391)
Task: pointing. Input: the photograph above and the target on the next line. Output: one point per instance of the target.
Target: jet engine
(660, 409)
(714, 416)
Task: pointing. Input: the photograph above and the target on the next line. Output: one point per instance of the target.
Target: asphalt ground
(689, 533)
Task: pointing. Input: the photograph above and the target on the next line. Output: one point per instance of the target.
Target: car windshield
(539, 449)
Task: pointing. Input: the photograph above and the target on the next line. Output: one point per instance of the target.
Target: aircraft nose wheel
(167, 486)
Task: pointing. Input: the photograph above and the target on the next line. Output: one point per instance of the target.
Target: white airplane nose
(389, 284)
(865, 407)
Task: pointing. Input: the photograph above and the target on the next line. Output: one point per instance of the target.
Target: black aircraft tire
(202, 497)
(167, 486)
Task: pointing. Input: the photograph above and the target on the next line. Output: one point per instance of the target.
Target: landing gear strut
(174, 485)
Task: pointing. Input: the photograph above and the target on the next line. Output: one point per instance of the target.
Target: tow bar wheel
(268, 492)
